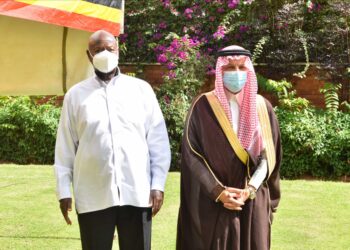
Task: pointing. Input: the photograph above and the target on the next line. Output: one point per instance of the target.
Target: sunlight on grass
(312, 214)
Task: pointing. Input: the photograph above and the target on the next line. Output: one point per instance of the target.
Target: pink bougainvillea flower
(162, 25)
(220, 33)
(193, 42)
(172, 74)
(162, 58)
(157, 36)
(184, 39)
(183, 55)
(172, 50)
(221, 10)
(233, 4)
(166, 3)
(243, 28)
(171, 65)
(188, 13)
(175, 44)
(160, 48)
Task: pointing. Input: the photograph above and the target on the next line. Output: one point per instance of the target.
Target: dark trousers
(133, 226)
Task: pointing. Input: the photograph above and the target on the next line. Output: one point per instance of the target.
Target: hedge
(315, 142)
(27, 131)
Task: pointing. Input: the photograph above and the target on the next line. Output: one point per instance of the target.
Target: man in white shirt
(112, 147)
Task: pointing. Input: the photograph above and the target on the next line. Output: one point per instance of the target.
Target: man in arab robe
(231, 155)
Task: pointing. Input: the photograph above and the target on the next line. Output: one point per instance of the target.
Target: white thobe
(261, 171)
(112, 144)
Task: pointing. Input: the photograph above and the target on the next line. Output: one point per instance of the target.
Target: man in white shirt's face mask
(112, 147)
(103, 54)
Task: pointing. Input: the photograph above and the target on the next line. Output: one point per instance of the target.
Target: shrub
(185, 76)
(315, 142)
(27, 131)
(282, 34)
(288, 31)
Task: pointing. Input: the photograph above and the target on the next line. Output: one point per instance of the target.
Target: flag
(88, 15)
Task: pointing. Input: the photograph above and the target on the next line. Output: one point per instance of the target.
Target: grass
(312, 214)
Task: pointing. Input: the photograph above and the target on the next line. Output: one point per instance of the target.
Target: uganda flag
(89, 15)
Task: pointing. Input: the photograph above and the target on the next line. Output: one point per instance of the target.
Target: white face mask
(105, 61)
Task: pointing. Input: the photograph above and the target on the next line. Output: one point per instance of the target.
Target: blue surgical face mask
(234, 81)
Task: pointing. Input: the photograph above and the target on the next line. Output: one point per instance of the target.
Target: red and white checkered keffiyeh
(249, 131)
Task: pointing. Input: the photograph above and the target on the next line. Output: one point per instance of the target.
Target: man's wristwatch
(252, 192)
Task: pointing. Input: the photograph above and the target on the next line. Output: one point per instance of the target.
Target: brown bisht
(209, 164)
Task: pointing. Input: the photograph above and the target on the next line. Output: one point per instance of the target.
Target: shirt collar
(105, 83)
(102, 83)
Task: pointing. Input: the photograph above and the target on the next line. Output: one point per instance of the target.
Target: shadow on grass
(39, 237)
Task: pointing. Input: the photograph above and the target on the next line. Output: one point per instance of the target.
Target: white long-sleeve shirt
(112, 144)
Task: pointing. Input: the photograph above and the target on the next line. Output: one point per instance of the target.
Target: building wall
(307, 87)
(31, 57)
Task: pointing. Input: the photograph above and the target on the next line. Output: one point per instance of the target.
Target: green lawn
(312, 214)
